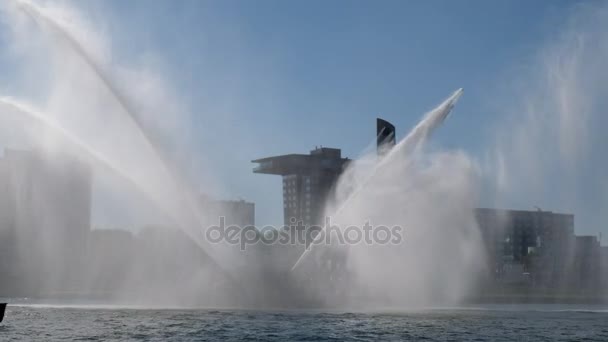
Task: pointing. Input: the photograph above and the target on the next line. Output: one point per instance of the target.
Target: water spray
(417, 136)
(40, 17)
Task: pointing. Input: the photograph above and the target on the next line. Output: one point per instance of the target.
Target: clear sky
(284, 76)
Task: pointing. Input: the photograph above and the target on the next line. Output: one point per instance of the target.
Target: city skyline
(238, 80)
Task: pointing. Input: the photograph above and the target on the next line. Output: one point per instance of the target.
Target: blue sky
(263, 78)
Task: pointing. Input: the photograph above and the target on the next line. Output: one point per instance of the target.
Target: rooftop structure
(308, 181)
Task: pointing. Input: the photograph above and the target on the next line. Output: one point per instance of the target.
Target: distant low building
(541, 241)
(235, 212)
(170, 268)
(585, 271)
(604, 269)
(110, 261)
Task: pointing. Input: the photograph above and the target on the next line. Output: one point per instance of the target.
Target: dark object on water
(385, 133)
(2, 308)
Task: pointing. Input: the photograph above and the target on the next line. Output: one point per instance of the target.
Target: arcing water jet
(415, 138)
(56, 127)
(38, 15)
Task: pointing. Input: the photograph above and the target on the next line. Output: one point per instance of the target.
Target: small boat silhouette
(2, 308)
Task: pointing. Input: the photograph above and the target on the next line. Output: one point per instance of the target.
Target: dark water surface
(492, 323)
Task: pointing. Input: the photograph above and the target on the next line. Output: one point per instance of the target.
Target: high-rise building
(45, 213)
(308, 181)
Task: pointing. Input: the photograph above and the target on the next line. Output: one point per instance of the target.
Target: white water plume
(431, 196)
(362, 173)
(550, 141)
(81, 105)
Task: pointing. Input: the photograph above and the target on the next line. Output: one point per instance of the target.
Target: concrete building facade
(308, 182)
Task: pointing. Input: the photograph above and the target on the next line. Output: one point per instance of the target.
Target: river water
(488, 323)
